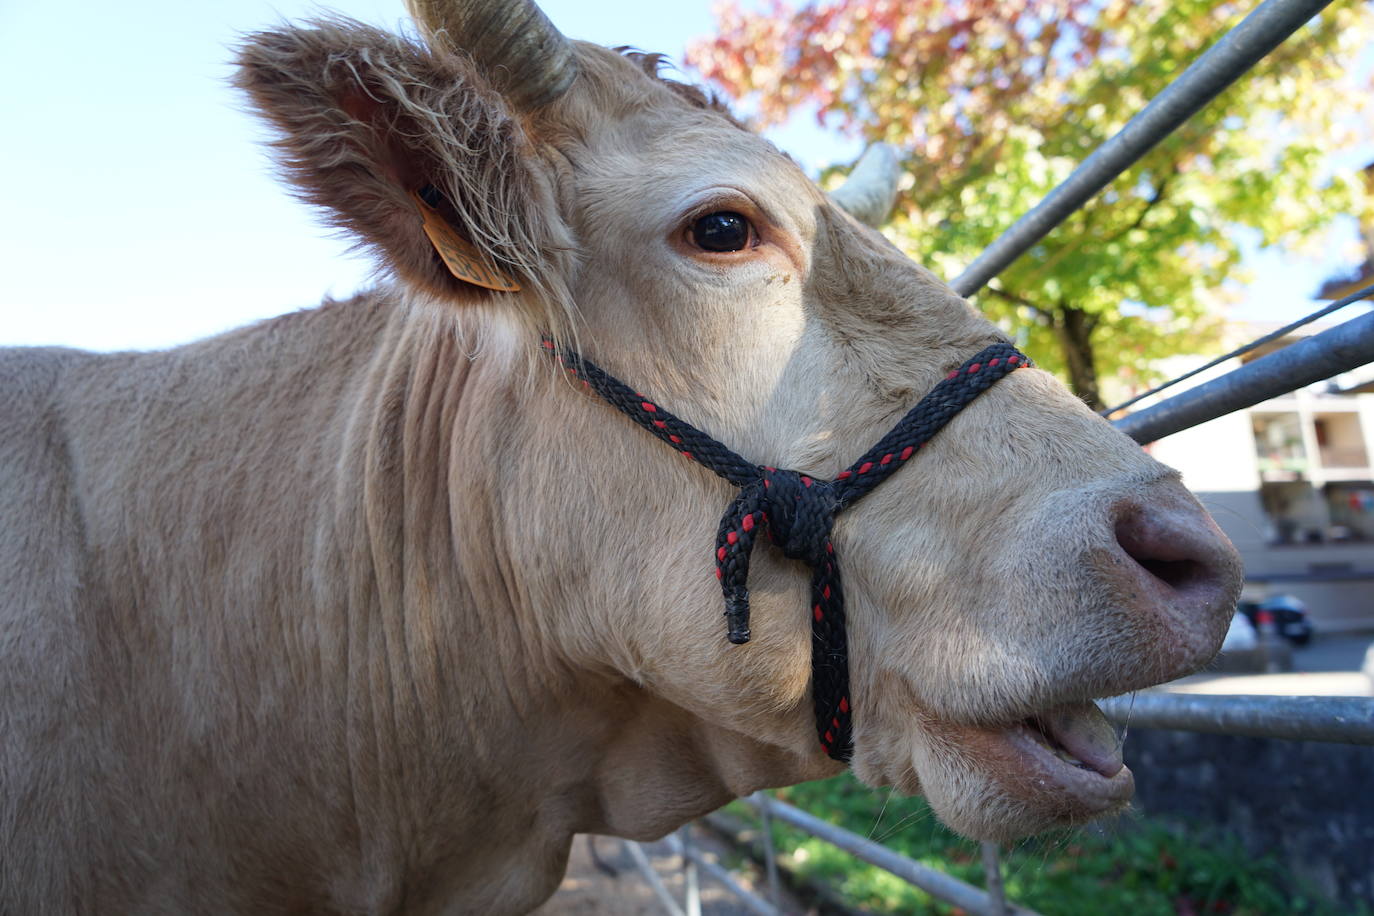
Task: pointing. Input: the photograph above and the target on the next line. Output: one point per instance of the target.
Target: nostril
(1177, 574)
(1162, 553)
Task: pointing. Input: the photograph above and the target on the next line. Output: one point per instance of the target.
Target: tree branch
(1085, 234)
(1047, 314)
(1156, 197)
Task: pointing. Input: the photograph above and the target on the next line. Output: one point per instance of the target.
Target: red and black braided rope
(798, 511)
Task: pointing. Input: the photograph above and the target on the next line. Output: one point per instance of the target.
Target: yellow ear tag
(462, 258)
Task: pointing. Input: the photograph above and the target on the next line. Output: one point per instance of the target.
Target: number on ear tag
(461, 257)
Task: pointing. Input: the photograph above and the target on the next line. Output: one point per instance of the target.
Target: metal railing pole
(935, 882)
(751, 901)
(1237, 51)
(1340, 349)
(770, 852)
(691, 882)
(651, 875)
(1339, 720)
(992, 875)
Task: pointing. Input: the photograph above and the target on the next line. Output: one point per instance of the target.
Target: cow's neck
(484, 740)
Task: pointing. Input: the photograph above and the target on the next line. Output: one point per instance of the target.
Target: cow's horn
(528, 59)
(871, 189)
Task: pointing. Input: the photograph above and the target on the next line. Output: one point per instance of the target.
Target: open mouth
(1075, 750)
(1077, 735)
(1059, 767)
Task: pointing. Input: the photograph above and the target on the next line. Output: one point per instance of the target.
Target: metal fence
(1340, 720)
(1348, 346)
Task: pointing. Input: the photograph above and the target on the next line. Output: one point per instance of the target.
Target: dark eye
(722, 231)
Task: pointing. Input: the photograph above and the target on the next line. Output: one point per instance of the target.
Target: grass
(1140, 866)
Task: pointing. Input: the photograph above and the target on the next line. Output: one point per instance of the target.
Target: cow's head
(1031, 559)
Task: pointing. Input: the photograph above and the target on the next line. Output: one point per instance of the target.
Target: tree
(996, 102)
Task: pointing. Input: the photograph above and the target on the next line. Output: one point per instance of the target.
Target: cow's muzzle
(1173, 569)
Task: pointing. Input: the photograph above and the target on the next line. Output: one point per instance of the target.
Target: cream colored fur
(360, 610)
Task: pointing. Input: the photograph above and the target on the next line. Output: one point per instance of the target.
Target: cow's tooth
(1067, 757)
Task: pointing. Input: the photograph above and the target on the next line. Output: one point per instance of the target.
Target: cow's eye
(722, 231)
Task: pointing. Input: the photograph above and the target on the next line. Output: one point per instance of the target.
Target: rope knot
(798, 512)
(801, 512)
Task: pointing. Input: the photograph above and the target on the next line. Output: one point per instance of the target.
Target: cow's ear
(408, 149)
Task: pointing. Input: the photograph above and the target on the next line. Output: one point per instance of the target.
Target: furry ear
(371, 124)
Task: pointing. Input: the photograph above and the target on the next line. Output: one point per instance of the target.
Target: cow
(370, 608)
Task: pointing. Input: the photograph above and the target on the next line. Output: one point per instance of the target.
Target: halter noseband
(798, 511)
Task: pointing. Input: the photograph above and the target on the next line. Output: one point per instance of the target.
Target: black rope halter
(799, 511)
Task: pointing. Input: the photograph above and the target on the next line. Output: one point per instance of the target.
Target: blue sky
(139, 205)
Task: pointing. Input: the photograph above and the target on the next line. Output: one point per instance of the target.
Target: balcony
(1351, 457)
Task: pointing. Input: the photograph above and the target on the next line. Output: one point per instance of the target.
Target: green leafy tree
(996, 102)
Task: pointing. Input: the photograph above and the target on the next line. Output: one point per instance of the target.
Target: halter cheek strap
(798, 511)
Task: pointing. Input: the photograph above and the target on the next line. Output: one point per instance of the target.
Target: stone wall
(1308, 805)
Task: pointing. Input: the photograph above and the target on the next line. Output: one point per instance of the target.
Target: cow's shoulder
(45, 597)
(32, 439)
(29, 377)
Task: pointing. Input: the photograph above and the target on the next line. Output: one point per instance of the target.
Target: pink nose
(1177, 571)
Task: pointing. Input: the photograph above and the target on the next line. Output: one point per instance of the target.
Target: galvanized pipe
(1255, 344)
(1239, 50)
(1339, 720)
(1340, 349)
(992, 878)
(770, 855)
(936, 883)
(646, 868)
(690, 878)
(751, 901)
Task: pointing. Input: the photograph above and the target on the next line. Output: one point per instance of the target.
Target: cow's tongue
(1084, 732)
